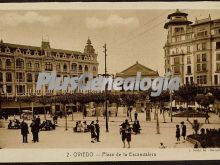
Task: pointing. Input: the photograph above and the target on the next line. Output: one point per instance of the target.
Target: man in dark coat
(97, 130)
(92, 130)
(183, 130)
(24, 131)
(38, 120)
(35, 128)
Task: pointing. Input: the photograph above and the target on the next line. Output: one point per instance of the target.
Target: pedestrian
(183, 130)
(136, 127)
(206, 117)
(92, 130)
(135, 115)
(24, 131)
(128, 135)
(97, 130)
(38, 121)
(35, 128)
(177, 134)
(123, 133)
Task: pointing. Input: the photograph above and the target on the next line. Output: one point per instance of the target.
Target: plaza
(60, 138)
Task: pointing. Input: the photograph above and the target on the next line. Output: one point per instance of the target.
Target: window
(187, 80)
(218, 67)
(8, 63)
(188, 49)
(20, 89)
(191, 80)
(36, 77)
(80, 67)
(177, 50)
(176, 60)
(0, 63)
(198, 58)
(203, 46)
(19, 76)
(203, 67)
(20, 63)
(58, 67)
(48, 66)
(94, 68)
(29, 64)
(217, 57)
(202, 79)
(74, 67)
(8, 88)
(188, 69)
(203, 57)
(198, 68)
(37, 65)
(1, 77)
(179, 29)
(86, 68)
(178, 38)
(176, 70)
(64, 67)
(216, 79)
(8, 77)
(29, 77)
(202, 34)
(218, 45)
(188, 60)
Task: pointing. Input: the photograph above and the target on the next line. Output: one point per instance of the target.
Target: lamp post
(106, 104)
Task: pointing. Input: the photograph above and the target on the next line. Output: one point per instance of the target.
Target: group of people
(81, 127)
(95, 131)
(14, 124)
(35, 128)
(183, 132)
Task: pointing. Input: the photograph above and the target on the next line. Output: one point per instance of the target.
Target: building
(20, 65)
(192, 50)
(137, 67)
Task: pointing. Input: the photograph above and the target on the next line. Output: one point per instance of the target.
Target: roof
(132, 71)
(177, 13)
(26, 47)
(177, 22)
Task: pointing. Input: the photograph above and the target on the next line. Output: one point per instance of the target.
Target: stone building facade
(21, 64)
(192, 50)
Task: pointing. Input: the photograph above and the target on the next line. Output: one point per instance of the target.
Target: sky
(130, 35)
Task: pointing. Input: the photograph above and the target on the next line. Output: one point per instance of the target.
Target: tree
(44, 100)
(205, 100)
(186, 94)
(114, 98)
(129, 99)
(64, 100)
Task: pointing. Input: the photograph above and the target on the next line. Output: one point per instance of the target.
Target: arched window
(48, 66)
(8, 63)
(64, 67)
(86, 68)
(8, 77)
(94, 68)
(74, 66)
(80, 67)
(1, 77)
(29, 77)
(20, 63)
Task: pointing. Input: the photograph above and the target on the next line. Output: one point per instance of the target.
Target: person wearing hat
(177, 134)
(183, 130)
(92, 130)
(97, 130)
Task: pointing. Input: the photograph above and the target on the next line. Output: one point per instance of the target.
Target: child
(177, 134)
